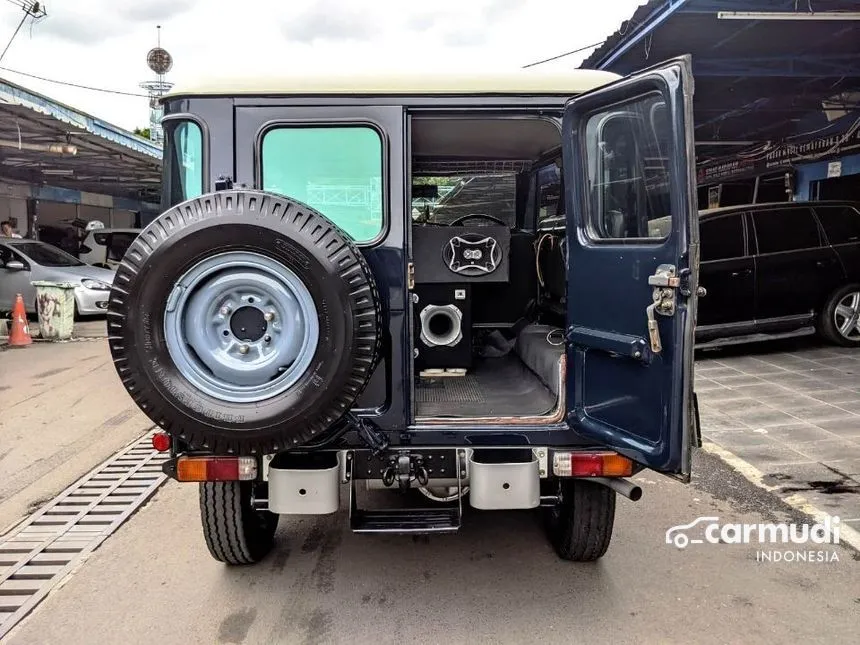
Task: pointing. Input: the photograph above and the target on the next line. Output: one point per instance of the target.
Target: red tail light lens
(216, 469)
(161, 441)
(591, 464)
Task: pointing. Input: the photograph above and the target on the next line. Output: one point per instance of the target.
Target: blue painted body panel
(232, 123)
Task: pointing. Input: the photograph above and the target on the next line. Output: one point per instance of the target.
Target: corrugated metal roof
(109, 159)
(756, 80)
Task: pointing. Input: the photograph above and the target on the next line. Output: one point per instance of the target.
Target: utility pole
(34, 10)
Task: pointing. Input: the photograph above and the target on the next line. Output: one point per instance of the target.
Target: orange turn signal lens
(591, 464)
(216, 469)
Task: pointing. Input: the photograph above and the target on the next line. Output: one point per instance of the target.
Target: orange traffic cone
(19, 335)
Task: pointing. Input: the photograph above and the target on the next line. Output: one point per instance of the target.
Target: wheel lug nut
(225, 311)
(268, 339)
(243, 349)
(269, 316)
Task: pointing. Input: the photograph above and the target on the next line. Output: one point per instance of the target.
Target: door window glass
(335, 169)
(786, 229)
(721, 238)
(184, 161)
(628, 171)
(841, 223)
(119, 243)
(550, 205)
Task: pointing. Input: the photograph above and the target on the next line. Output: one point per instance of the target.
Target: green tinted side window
(335, 169)
(186, 161)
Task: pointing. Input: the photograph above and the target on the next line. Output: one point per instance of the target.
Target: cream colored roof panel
(415, 84)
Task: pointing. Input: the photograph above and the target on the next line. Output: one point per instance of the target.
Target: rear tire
(842, 307)
(235, 532)
(580, 525)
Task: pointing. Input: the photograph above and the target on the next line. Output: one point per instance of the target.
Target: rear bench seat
(540, 355)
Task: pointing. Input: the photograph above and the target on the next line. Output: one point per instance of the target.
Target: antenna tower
(159, 61)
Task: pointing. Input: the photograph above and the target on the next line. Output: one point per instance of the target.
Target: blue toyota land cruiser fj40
(463, 291)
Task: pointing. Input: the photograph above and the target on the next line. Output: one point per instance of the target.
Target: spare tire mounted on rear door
(244, 322)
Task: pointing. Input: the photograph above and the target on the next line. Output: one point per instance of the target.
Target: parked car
(291, 328)
(105, 247)
(26, 261)
(63, 236)
(777, 270)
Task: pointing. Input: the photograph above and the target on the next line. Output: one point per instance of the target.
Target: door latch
(665, 283)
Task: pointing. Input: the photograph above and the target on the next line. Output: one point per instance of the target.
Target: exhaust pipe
(627, 488)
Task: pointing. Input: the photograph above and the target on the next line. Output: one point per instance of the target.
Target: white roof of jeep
(417, 83)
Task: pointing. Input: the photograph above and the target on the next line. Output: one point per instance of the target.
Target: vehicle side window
(722, 238)
(549, 204)
(786, 229)
(334, 169)
(841, 223)
(119, 243)
(100, 238)
(183, 166)
(629, 174)
(8, 255)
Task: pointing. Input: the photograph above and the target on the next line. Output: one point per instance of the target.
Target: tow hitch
(405, 468)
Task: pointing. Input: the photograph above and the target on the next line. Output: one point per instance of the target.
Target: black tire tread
(586, 520)
(230, 536)
(301, 220)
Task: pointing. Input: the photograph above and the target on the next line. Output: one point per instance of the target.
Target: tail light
(591, 464)
(216, 469)
(161, 441)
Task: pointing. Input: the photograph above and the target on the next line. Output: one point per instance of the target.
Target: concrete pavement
(792, 410)
(497, 581)
(62, 411)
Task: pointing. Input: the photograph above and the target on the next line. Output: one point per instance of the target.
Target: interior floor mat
(494, 387)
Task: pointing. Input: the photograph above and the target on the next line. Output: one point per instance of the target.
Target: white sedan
(24, 261)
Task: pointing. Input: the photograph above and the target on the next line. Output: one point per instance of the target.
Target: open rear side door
(633, 251)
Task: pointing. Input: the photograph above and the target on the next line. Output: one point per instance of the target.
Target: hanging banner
(782, 156)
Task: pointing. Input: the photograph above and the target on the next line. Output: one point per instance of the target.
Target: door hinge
(684, 286)
(410, 276)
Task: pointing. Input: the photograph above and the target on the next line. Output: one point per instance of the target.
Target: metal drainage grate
(38, 553)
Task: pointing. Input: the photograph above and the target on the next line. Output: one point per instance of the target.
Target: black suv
(774, 270)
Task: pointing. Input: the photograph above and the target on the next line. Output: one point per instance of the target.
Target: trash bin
(56, 304)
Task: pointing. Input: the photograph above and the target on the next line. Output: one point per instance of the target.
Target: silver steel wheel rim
(241, 327)
(846, 316)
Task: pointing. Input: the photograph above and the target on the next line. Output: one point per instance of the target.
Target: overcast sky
(104, 42)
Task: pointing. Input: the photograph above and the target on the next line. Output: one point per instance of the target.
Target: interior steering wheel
(462, 219)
